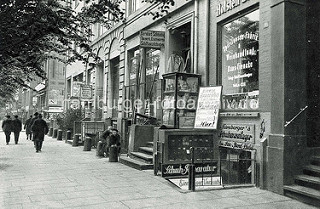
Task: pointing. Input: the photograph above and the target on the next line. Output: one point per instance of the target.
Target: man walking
(27, 127)
(39, 129)
(16, 128)
(6, 127)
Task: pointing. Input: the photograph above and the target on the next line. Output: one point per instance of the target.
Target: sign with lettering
(200, 183)
(208, 107)
(86, 92)
(183, 169)
(152, 39)
(236, 135)
(228, 5)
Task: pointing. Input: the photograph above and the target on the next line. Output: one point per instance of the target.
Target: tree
(32, 31)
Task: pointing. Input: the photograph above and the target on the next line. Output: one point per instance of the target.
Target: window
(240, 63)
(143, 80)
(134, 5)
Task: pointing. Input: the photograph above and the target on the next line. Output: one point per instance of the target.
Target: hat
(7, 116)
(16, 116)
(36, 114)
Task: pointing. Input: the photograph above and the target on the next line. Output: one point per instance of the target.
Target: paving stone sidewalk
(62, 176)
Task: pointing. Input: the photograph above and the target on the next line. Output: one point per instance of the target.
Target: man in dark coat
(7, 128)
(16, 128)
(39, 129)
(27, 127)
(31, 123)
(115, 139)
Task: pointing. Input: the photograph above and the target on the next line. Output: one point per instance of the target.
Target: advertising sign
(86, 92)
(236, 135)
(208, 107)
(152, 39)
(183, 169)
(200, 183)
(76, 88)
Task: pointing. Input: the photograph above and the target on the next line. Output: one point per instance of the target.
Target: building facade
(263, 53)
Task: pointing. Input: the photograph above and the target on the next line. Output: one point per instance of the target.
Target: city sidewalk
(62, 176)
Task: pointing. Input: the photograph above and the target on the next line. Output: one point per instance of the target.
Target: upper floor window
(240, 63)
(134, 5)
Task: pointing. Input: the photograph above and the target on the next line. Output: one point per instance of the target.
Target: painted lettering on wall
(228, 5)
(237, 132)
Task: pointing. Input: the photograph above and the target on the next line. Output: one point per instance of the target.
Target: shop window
(180, 51)
(239, 65)
(143, 77)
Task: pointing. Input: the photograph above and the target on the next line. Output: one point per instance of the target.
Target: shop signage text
(152, 39)
(208, 107)
(86, 92)
(228, 5)
(205, 182)
(183, 169)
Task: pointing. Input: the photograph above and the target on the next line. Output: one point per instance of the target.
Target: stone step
(308, 181)
(147, 150)
(149, 144)
(312, 170)
(315, 160)
(143, 156)
(303, 194)
(134, 163)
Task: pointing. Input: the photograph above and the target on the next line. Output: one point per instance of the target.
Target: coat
(16, 125)
(39, 129)
(28, 125)
(7, 125)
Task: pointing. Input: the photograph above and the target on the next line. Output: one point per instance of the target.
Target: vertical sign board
(208, 107)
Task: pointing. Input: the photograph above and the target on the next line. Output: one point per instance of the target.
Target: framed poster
(208, 107)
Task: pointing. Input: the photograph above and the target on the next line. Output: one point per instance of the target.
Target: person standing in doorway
(7, 128)
(39, 129)
(16, 128)
(27, 127)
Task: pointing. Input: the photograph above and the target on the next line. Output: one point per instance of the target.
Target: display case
(179, 99)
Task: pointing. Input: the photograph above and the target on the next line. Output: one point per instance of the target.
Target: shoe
(7, 143)
(37, 151)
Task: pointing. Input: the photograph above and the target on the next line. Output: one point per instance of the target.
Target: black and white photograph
(160, 104)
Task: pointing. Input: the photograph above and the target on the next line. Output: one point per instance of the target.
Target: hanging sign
(208, 107)
(152, 39)
(86, 92)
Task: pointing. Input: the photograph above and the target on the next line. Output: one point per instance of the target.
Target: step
(303, 194)
(133, 163)
(315, 160)
(150, 144)
(312, 170)
(147, 150)
(308, 181)
(143, 156)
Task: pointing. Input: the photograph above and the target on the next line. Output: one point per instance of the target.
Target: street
(62, 176)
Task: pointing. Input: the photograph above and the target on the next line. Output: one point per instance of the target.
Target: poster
(208, 107)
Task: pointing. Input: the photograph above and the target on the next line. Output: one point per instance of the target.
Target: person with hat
(16, 128)
(39, 129)
(7, 128)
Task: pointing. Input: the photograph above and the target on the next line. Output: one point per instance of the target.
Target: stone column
(288, 68)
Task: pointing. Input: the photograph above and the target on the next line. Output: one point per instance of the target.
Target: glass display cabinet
(179, 99)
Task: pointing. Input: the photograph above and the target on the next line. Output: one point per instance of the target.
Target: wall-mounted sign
(228, 5)
(76, 88)
(237, 135)
(86, 92)
(208, 107)
(200, 183)
(152, 39)
(183, 169)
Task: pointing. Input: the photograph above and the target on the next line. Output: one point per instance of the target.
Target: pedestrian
(27, 127)
(105, 138)
(39, 129)
(16, 128)
(35, 117)
(7, 127)
(115, 139)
